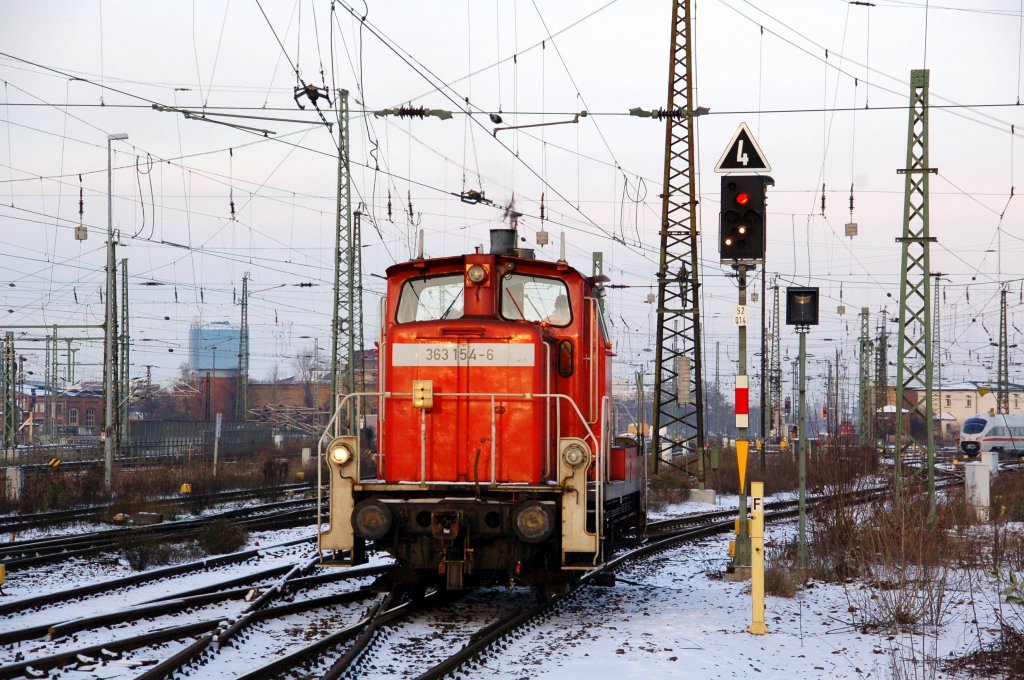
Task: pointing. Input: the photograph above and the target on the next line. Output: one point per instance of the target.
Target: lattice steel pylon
(865, 432)
(775, 364)
(124, 390)
(914, 352)
(242, 385)
(1003, 369)
(359, 376)
(9, 385)
(937, 350)
(50, 398)
(881, 376)
(678, 325)
(345, 314)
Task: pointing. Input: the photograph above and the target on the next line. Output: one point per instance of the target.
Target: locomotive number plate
(465, 354)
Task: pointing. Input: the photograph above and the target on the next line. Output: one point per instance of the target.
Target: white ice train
(999, 433)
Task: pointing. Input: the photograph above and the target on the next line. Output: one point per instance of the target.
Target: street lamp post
(108, 331)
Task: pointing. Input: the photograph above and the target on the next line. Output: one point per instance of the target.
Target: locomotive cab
(495, 458)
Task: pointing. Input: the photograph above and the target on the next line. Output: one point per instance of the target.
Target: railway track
(357, 638)
(14, 523)
(212, 630)
(360, 638)
(42, 551)
(366, 634)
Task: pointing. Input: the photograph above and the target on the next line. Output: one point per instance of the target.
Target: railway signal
(741, 226)
(802, 312)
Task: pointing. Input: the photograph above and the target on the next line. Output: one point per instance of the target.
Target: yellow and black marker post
(757, 626)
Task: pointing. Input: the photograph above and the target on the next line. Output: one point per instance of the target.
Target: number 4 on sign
(743, 154)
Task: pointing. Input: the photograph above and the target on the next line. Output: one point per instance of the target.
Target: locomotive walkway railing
(601, 445)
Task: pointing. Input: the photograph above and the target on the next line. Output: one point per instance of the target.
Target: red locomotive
(496, 458)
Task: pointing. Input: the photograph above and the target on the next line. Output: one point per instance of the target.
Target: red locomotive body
(495, 456)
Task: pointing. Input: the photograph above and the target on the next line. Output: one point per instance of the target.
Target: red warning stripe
(742, 401)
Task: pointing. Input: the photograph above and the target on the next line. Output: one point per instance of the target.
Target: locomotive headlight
(574, 455)
(339, 451)
(477, 274)
(534, 522)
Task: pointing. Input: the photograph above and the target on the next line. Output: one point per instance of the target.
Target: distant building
(955, 402)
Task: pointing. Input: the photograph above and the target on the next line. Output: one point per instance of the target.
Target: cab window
(535, 298)
(974, 426)
(433, 298)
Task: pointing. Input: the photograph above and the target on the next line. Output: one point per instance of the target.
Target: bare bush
(668, 487)
(840, 472)
(908, 567)
(144, 551)
(222, 536)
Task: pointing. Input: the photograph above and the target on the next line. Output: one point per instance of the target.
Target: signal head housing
(742, 220)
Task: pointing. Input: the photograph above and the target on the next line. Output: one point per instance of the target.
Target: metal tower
(1003, 375)
(345, 312)
(775, 366)
(359, 381)
(9, 385)
(242, 387)
(678, 325)
(881, 375)
(124, 389)
(937, 347)
(914, 351)
(50, 381)
(867, 421)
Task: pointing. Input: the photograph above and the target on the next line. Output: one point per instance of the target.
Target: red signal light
(742, 198)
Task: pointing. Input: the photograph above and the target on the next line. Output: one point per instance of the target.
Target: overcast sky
(823, 84)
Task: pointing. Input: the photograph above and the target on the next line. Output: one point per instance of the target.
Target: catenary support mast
(914, 350)
(344, 314)
(678, 323)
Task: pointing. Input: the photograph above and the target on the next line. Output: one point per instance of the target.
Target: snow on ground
(82, 571)
(671, 615)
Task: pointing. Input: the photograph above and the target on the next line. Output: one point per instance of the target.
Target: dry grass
(779, 576)
(135, 488)
(829, 467)
(1008, 496)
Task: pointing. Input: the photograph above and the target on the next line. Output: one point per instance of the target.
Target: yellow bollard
(757, 626)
